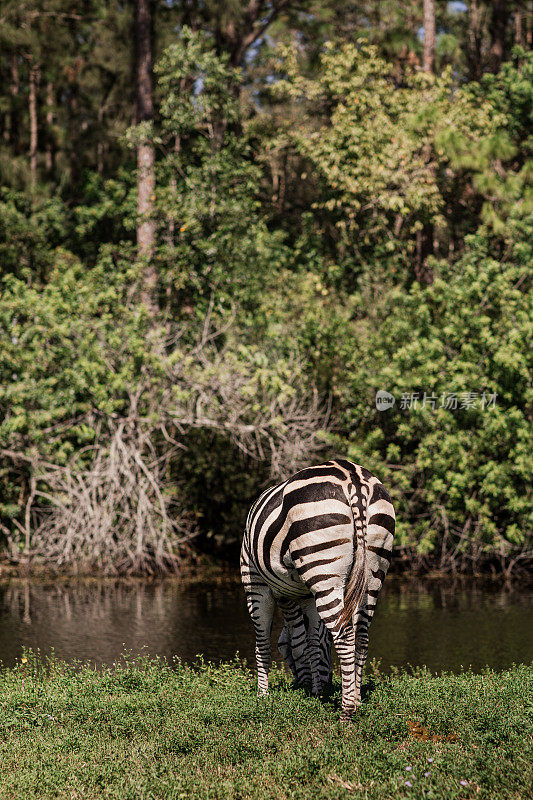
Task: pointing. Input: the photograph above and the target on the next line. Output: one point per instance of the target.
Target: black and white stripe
(319, 545)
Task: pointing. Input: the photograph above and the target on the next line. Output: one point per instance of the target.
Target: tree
(34, 75)
(374, 147)
(145, 153)
(424, 236)
(304, 171)
(428, 61)
(498, 27)
(237, 26)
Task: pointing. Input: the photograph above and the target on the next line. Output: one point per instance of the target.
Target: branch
(254, 33)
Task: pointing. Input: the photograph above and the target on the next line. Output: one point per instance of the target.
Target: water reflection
(440, 625)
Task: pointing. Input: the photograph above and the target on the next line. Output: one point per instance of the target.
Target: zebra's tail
(357, 582)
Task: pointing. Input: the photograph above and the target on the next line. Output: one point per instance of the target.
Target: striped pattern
(319, 545)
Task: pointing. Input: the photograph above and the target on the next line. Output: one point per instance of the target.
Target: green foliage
(106, 216)
(197, 86)
(74, 346)
(382, 151)
(213, 234)
(83, 369)
(460, 476)
(142, 729)
(72, 352)
(501, 166)
(391, 160)
(28, 234)
(301, 200)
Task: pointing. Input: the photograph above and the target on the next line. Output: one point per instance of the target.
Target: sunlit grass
(146, 730)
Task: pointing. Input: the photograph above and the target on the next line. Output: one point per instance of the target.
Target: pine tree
(428, 62)
(145, 152)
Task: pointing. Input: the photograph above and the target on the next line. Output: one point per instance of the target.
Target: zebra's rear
(320, 544)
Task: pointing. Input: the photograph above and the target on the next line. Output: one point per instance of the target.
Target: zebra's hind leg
(325, 669)
(362, 621)
(260, 603)
(330, 603)
(379, 539)
(296, 641)
(284, 647)
(319, 646)
(344, 642)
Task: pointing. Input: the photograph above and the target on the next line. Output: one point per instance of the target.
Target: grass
(144, 730)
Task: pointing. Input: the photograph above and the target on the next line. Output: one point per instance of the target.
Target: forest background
(224, 228)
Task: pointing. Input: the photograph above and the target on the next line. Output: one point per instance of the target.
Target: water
(439, 625)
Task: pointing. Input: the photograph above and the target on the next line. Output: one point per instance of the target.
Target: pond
(441, 625)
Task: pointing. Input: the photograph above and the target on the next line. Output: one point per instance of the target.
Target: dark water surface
(436, 624)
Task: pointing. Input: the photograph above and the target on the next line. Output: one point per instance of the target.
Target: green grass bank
(143, 730)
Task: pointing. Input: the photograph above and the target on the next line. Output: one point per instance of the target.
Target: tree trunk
(73, 127)
(424, 248)
(49, 157)
(171, 230)
(145, 154)
(474, 51)
(428, 62)
(34, 77)
(424, 237)
(12, 126)
(518, 29)
(498, 34)
(100, 145)
(522, 23)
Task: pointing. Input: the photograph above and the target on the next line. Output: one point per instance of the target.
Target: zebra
(319, 544)
(299, 660)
